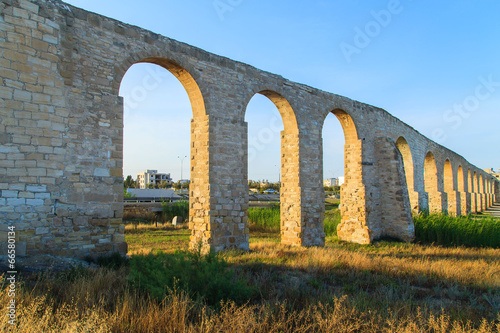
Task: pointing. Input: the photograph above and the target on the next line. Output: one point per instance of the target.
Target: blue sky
(432, 64)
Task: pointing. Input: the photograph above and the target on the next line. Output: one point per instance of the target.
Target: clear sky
(433, 64)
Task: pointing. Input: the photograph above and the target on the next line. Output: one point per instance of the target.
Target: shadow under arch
(291, 224)
(405, 150)
(199, 189)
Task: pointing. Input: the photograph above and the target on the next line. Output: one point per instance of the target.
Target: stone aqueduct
(61, 143)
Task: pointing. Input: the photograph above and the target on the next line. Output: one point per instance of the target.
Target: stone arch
(461, 185)
(292, 226)
(405, 150)
(352, 208)
(448, 177)
(185, 78)
(430, 173)
(199, 203)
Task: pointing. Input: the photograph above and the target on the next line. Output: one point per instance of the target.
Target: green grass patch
(264, 219)
(268, 219)
(204, 277)
(166, 240)
(331, 221)
(457, 231)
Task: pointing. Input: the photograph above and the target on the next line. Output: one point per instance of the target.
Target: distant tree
(129, 182)
(336, 189)
(177, 185)
(165, 184)
(254, 184)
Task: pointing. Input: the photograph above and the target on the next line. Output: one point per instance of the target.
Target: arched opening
(404, 149)
(431, 183)
(449, 188)
(448, 177)
(353, 217)
(264, 168)
(460, 179)
(160, 98)
(282, 161)
(333, 172)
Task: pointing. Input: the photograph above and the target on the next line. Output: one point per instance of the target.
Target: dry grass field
(384, 287)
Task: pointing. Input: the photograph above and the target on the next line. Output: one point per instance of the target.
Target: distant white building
(152, 177)
(330, 182)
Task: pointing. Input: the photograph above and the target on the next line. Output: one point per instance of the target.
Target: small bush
(178, 208)
(205, 277)
(455, 231)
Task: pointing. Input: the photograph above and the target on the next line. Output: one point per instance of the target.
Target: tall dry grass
(303, 290)
(80, 311)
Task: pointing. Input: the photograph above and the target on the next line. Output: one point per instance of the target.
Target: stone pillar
(473, 203)
(437, 202)
(454, 203)
(313, 197)
(301, 195)
(354, 226)
(415, 201)
(497, 191)
(220, 188)
(393, 201)
(200, 219)
(479, 202)
(290, 192)
(465, 203)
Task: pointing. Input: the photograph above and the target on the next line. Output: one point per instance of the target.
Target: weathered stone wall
(61, 143)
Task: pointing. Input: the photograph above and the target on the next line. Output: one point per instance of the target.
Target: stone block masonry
(61, 143)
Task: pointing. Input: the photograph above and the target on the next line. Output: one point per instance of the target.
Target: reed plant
(447, 230)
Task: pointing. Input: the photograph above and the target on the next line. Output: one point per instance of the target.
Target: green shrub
(173, 209)
(205, 277)
(465, 230)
